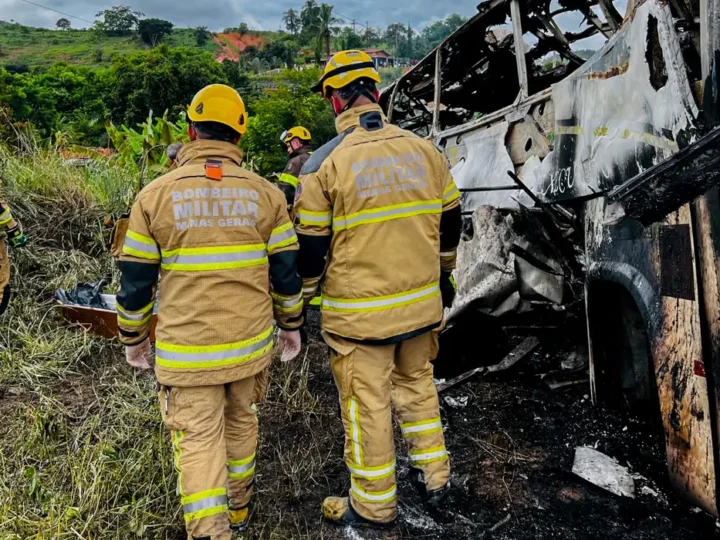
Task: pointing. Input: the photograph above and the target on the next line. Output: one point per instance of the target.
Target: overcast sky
(261, 15)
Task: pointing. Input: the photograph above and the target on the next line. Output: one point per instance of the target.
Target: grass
(42, 47)
(83, 452)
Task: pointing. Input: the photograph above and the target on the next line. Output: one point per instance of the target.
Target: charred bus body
(627, 144)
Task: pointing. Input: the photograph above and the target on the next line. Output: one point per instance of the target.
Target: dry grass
(83, 453)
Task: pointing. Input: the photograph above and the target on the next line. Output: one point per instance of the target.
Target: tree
(439, 30)
(395, 36)
(152, 31)
(202, 35)
(243, 28)
(62, 24)
(292, 21)
(310, 20)
(348, 39)
(371, 37)
(326, 28)
(118, 20)
(159, 79)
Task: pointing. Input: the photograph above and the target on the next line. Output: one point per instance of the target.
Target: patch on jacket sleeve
(298, 192)
(317, 158)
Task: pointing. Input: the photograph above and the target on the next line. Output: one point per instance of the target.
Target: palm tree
(327, 22)
(291, 18)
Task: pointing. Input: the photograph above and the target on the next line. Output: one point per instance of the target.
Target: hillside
(41, 47)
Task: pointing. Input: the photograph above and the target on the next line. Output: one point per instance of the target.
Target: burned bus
(620, 151)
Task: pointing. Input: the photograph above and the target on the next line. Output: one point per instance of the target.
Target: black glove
(447, 289)
(16, 237)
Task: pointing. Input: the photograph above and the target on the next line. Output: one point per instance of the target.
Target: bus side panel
(656, 266)
(682, 385)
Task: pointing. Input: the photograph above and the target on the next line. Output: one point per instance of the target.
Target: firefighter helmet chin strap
(360, 91)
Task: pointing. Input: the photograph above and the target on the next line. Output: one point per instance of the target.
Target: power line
(56, 11)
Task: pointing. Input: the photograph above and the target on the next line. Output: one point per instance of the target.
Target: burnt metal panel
(666, 187)
(677, 277)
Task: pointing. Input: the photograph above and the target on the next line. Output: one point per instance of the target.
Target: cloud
(220, 14)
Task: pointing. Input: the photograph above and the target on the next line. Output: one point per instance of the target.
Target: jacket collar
(306, 149)
(202, 150)
(351, 118)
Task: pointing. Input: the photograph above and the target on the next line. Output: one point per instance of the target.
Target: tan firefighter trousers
(214, 433)
(369, 378)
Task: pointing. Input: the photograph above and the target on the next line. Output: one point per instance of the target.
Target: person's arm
(450, 231)
(286, 283)
(288, 180)
(313, 218)
(139, 265)
(12, 228)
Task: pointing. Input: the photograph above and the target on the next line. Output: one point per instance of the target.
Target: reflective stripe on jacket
(373, 200)
(226, 253)
(288, 180)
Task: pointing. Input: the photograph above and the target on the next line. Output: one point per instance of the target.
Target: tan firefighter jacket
(375, 201)
(223, 244)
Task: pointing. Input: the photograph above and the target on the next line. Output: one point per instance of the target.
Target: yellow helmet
(344, 68)
(219, 103)
(298, 132)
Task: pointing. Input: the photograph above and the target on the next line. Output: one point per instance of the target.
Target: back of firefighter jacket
(375, 198)
(226, 251)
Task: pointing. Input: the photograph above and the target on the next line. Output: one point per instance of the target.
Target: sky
(267, 15)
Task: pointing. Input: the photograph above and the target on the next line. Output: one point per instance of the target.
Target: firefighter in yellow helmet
(298, 143)
(378, 220)
(10, 234)
(221, 239)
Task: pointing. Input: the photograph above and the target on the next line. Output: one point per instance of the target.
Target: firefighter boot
(339, 511)
(434, 498)
(239, 519)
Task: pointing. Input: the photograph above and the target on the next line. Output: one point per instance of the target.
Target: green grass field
(38, 47)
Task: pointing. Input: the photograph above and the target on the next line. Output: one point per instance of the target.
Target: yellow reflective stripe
(289, 179)
(281, 237)
(178, 435)
(378, 303)
(141, 311)
(569, 130)
(239, 469)
(6, 217)
(195, 497)
(207, 512)
(205, 503)
(290, 309)
(424, 427)
(373, 473)
(240, 462)
(141, 246)
(373, 496)
(317, 219)
(429, 455)
(200, 357)
(451, 193)
(387, 213)
(355, 431)
(214, 258)
(130, 322)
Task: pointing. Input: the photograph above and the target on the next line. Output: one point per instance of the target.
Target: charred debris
(521, 269)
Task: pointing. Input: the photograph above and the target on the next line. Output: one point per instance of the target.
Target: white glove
(140, 356)
(289, 343)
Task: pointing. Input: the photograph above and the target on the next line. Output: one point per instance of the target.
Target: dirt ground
(512, 445)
